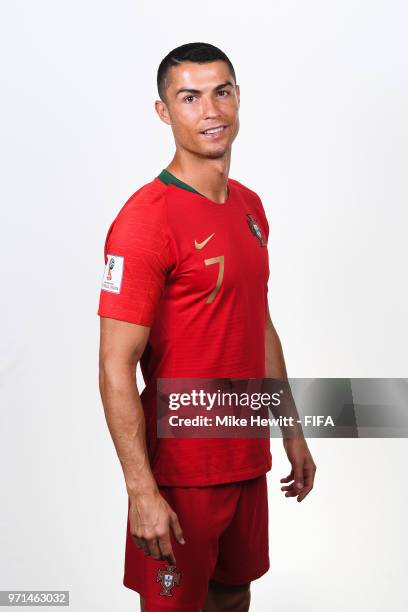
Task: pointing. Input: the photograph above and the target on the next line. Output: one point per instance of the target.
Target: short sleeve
(263, 218)
(138, 257)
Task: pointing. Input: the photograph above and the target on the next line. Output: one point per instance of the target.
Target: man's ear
(162, 111)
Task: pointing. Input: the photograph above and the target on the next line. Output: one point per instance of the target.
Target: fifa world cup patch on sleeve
(112, 276)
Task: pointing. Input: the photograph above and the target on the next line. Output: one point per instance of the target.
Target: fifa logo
(111, 266)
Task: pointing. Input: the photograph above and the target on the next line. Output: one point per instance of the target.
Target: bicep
(121, 342)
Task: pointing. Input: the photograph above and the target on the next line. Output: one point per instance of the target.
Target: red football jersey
(196, 272)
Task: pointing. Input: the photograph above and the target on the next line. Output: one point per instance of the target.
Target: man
(185, 293)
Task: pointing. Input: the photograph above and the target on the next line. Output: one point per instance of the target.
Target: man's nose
(209, 107)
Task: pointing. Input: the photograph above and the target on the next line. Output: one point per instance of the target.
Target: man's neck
(208, 177)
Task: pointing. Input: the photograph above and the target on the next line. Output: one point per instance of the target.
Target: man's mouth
(215, 131)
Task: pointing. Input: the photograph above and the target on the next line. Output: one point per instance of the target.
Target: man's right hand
(151, 518)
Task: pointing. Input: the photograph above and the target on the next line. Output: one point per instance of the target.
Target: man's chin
(214, 152)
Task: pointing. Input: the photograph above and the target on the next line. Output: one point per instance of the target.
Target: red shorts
(226, 531)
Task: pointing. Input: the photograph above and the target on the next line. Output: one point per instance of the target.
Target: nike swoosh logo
(200, 245)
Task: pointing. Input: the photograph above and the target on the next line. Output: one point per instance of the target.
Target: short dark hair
(191, 52)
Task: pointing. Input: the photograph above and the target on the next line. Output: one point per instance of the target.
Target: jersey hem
(196, 481)
(125, 318)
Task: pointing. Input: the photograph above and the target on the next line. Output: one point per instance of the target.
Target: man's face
(200, 97)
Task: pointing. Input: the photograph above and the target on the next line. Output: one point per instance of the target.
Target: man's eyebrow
(197, 91)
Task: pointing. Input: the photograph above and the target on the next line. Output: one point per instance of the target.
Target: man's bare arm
(274, 360)
(298, 453)
(121, 346)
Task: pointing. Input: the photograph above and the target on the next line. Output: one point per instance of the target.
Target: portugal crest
(255, 229)
(168, 577)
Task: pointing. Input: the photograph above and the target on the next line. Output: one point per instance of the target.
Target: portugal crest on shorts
(168, 577)
(255, 229)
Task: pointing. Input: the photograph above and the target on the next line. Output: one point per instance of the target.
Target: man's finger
(145, 547)
(305, 491)
(310, 471)
(166, 549)
(141, 543)
(175, 525)
(153, 547)
(137, 541)
(298, 477)
(309, 481)
(288, 488)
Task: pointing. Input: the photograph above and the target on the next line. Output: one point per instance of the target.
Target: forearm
(126, 423)
(274, 360)
(275, 368)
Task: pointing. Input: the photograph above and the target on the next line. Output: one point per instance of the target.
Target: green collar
(168, 178)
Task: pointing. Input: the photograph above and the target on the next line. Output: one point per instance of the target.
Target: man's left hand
(303, 468)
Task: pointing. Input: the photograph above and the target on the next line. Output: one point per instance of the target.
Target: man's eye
(188, 98)
(223, 91)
